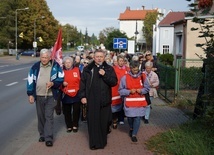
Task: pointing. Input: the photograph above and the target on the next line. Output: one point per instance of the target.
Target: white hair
(68, 58)
(135, 58)
(149, 64)
(45, 51)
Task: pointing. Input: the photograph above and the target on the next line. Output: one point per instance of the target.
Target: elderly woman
(153, 80)
(70, 98)
(133, 89)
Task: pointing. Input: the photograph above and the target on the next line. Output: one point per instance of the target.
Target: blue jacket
(57, 77)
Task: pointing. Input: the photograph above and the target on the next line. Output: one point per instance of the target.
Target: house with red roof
(132, 22)
(163, 34)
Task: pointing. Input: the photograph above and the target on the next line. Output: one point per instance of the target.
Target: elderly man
(44, 79)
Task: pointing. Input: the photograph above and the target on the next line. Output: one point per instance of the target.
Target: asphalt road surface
(16, 114)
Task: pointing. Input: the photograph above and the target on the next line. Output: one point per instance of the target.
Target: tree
(46, 28)
(203, 15)
(70, 35)
(149, 21)
(104, 33)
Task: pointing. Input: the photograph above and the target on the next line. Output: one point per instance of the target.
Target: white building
(132, 22)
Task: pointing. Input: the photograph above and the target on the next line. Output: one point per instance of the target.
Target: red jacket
(120, 72)
(72, 77)
(135, 100)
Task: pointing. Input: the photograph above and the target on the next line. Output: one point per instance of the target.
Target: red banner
(56, 53)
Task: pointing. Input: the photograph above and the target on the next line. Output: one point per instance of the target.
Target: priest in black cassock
(95, 91)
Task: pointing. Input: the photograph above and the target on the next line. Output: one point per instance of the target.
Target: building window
(165, 49)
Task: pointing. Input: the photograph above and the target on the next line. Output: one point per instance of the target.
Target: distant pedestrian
(70, 96)
(153, 80)
(95, 91)
(132, 88)
(149, 57)
(44, 80)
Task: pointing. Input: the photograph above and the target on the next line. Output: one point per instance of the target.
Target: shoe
(130, 133)
(41, 139)
(146, 121)
(49, 143)
(75, 129)
(93, 148)
(134, 139)
(69, 130)
(114, 126)
(121, 122)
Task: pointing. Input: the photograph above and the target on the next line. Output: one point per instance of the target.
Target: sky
(96, 15)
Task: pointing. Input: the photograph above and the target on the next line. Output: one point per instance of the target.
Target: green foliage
(109, 40)
(191, 77)
(104, 34)
(206, 31)
(149, 21)
(190, 138)
(166, 59)
(46, 28)
(167, 76)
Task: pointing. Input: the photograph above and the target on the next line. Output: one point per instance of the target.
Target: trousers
(45, 114)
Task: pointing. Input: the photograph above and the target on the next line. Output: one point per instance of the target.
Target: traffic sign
(120, 43)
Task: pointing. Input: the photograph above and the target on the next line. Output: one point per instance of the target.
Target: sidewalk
(162, 118)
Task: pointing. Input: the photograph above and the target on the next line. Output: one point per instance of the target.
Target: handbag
(147, 96)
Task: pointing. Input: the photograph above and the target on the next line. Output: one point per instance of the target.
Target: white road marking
(25, 79)
(13, 70)
(10, 84)
(4, 65)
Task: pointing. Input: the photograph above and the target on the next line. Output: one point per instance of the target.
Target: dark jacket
(57, 77)
(108, 80)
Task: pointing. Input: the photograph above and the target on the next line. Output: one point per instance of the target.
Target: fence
(181, 83)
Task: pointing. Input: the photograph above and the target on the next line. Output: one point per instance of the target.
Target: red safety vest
(135, 100)
(120, 72)
(72, 77)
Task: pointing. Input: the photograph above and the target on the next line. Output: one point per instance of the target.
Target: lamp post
(136, 33)
(17, 57)
(35, 41)
(67, 38)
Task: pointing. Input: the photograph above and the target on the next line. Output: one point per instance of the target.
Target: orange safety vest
(135, 100)
(72, 77)
(120, 72)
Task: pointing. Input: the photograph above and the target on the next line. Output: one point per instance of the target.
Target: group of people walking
(101, 87)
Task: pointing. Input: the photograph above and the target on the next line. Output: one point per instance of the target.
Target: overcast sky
(96, 15)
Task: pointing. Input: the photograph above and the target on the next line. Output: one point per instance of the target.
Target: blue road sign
(120, 43)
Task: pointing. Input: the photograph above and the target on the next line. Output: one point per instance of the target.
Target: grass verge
(192, 138)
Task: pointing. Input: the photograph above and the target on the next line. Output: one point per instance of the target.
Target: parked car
(29, 53)
(80, 48)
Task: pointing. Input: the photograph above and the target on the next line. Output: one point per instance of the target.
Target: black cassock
(98, 116)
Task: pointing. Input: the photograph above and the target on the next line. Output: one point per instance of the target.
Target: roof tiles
(134, 14)
(172, 17)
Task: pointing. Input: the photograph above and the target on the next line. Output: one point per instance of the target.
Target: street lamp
(35, 41)
(17, 58)
(67, 38)
(136, 33)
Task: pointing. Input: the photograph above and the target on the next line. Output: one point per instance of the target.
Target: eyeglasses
(85, 62)
(148, 54)
(140, 60)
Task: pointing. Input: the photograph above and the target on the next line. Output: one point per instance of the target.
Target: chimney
(128, 8)
(143, 7)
